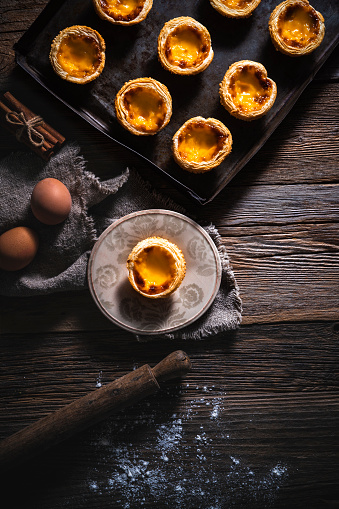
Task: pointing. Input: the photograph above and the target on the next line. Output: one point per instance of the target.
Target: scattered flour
(279, 470)
(99, 383)
(169, 436)
(135, 475)
(216, 409)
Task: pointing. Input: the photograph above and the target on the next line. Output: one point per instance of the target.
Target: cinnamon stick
(45, 151)
(52, 139)
(47, 131)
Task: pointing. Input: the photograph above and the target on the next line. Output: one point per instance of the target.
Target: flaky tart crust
(296, 28)
(201, 144)
(77, 54)
(246, 92)
(184, 46)
(135, 12)
(156, 267)
(143, 106)
(235, 8)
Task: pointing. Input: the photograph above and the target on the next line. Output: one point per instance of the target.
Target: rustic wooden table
(255, 424)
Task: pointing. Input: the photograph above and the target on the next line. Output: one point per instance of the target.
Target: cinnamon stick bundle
(28, 127)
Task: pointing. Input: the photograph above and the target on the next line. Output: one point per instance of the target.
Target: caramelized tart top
(143, 106)
(123, 12)
(249, 88)
(201, 144)
(246, 91)
(146, 110)
(200, 141)
(235, 8)
(298, 25)
(156, 267)
(184, 46)
(78, 54)
(296, 28)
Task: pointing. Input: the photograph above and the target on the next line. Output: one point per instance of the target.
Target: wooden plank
(252, 423)
(14, 21)
(292, 361)
(284, 272)
(255, 424)
(274, 205)
(300, 289)
(290, 273)
(304, 148)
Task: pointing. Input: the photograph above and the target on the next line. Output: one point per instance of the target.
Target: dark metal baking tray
(132, 52)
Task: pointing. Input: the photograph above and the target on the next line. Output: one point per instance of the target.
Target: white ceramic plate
(120, 303)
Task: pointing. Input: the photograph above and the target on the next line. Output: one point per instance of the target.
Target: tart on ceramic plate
(201, 144)
(143, 106)
(123, 12)
(184, 46)
(78, 54)
(235, 8)
(156, 267)
(296, 28)
(116, 298)
(246, 92)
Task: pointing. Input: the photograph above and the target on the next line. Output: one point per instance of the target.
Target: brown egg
(18, 247)
(51, 201)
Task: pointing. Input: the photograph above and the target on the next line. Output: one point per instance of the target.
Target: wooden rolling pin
(90, 409)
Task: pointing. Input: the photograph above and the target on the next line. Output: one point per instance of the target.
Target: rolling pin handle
(175, 365)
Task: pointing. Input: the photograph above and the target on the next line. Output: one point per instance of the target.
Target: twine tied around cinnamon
(28, 126)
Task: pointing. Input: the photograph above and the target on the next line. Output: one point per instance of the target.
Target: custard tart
(184, 46)
(201, 144)
(156, 267)
(78, 54)
(235, 8)
(296, 28)
(246, 92)
(123, 12)
(143, 106)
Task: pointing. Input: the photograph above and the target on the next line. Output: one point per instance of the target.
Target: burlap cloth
(61, 261)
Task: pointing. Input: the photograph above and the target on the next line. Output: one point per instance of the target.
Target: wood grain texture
(296, 151)
(82, 413)
(260, 405)
(255, 424)
(285, 263)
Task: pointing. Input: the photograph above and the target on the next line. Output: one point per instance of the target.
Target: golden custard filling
(79, 56)
(122, 10)
(146, 110)
(249, 89)
(236, 4)
(184, 47)
(298, 25)
(200, 142)
(154, 270)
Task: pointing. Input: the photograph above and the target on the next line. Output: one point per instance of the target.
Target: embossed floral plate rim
(212, 284)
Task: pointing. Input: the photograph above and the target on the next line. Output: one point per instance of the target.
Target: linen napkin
(61, 261)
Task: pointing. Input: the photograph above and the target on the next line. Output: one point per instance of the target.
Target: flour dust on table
(186, 463)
